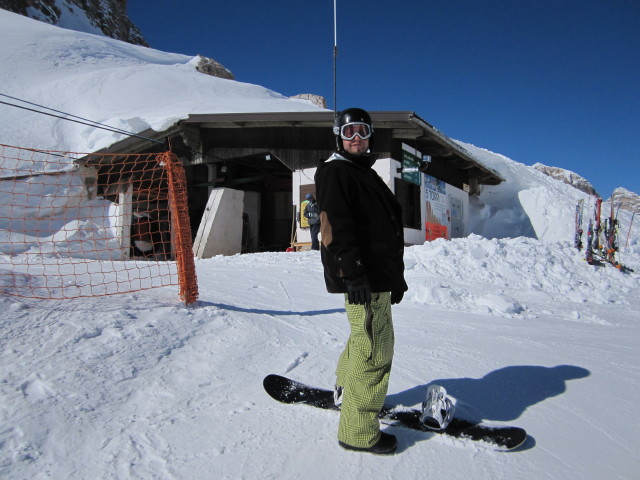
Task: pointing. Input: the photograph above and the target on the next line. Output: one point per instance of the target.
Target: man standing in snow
(312, 214)
(362, 254)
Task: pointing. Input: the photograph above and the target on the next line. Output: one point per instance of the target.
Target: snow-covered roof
(446, 154)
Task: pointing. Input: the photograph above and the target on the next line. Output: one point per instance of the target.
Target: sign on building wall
(437, 215)
(410, 162)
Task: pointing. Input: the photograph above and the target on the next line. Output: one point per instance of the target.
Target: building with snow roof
(248, 174)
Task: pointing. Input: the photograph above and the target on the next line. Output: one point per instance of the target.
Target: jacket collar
(364, 161)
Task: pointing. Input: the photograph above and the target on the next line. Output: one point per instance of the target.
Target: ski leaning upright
(602, 238)
(577, 240)
(593, 235)
(610, 231)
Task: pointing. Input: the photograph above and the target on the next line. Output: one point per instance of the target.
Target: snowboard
(290, 391)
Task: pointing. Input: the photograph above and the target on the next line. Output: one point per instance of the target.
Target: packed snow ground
(139, 386)
(511, 320)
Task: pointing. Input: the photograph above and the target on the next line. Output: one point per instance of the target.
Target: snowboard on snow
(290, 391)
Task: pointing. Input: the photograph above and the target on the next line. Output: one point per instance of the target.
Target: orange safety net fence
(76, 225)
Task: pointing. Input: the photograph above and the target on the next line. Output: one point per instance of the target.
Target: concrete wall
(452, 194)
(220, 230)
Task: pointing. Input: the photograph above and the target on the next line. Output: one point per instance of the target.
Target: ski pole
(629, 232)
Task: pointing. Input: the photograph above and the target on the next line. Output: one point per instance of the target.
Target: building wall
(452, 203)
(445, 209)
(302, 183)
(220, 231)
(456, 193)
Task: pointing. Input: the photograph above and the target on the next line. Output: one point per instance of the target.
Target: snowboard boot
(337, 395)
(386, 445)
(437, 409)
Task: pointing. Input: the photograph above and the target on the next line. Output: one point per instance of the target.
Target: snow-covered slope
(125, 86)
(529, 203)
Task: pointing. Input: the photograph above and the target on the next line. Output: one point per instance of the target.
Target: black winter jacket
(312, 213)
(361, 225)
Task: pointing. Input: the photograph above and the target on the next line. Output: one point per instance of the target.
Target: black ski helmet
(351, 115)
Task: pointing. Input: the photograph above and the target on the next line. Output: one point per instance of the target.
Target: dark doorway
(267, 183)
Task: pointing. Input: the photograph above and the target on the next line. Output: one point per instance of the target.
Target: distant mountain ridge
(106, 16)
(568, 177)
(626, 199)
(101, 17)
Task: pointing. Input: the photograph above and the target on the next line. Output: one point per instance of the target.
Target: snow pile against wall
(529, 203)
(50, 215)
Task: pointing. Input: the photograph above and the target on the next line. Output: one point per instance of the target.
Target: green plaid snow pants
(363, 370)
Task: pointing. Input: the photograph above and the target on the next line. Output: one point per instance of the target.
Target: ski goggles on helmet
(350, 130)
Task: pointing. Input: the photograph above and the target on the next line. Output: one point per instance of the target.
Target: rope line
(80, 120)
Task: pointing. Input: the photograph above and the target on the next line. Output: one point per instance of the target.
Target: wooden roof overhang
(401, 125)
(300, 139)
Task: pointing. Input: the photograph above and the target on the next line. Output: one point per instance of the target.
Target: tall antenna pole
(335, 56)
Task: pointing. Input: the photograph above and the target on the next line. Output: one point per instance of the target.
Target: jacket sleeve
(338, 208)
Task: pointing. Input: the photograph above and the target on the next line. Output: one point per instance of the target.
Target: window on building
(408, 194)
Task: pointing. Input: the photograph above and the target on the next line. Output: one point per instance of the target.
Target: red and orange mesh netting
(84, 225)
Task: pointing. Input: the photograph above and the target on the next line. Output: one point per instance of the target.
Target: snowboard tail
(290, 391)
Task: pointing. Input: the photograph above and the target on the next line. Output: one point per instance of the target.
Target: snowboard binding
(437, 409)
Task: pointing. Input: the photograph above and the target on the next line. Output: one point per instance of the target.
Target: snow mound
(553, 270)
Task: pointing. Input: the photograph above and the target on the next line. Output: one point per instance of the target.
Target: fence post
(123, 220)
(180, 226)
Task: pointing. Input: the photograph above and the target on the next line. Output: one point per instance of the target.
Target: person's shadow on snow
(502, 395)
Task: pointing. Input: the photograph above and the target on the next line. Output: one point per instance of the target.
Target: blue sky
(549, 81)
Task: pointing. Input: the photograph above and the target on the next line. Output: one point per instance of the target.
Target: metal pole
(629, 232)
(335, 55)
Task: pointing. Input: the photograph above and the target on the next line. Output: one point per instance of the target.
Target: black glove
(358, 290)
(396, 297)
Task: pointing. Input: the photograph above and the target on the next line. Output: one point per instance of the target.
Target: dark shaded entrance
(267, 183)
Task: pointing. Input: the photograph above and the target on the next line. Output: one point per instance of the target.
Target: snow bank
(529, 203)
(51, 215)
(554, 270)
